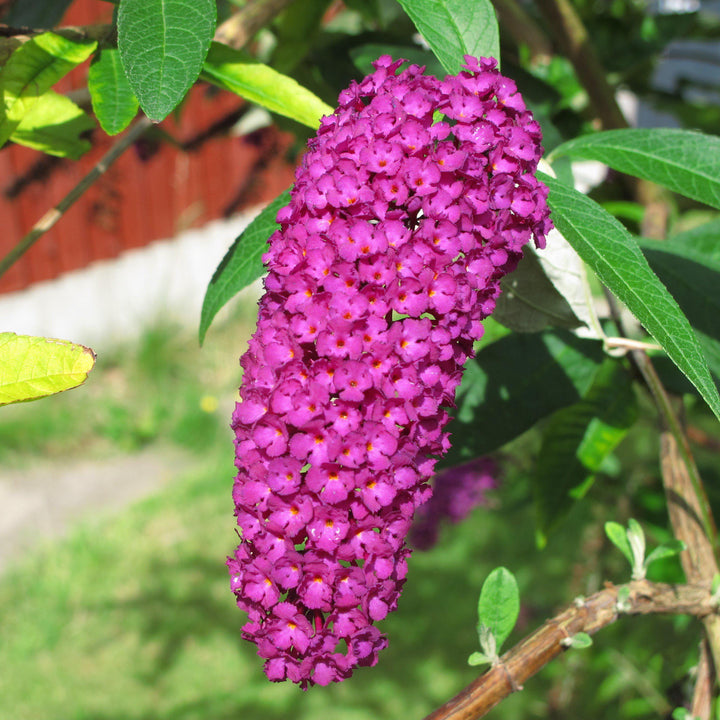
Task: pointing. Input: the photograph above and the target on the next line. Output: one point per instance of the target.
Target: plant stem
(49, 219)
(685, 506)
(237, 30)
(585, 615)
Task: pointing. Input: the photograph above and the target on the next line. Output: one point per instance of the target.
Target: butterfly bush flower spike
(387, 259)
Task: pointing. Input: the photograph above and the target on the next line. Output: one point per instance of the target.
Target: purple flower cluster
(388, 257)
(457, 491)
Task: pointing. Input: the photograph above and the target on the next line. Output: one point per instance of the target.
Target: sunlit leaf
(33, 367)
(53, 125)
(229, 69)
(32, 70)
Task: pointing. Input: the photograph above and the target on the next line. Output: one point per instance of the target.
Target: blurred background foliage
(130, 616)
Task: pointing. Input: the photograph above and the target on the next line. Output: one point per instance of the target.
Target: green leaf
(693, 279)
(229, 69)
(636, 539)
(666, 550)
(163, 44)
(113, 100)
(683, 161)
(499, 604)
(607, 247)
(576, 441)
(530, 301)
(454, 28)
(33, 367)
(53, 125)
(618, 536)
(513, 383)
(242, 264)
(703, 239)
(31, 71)
(578, 641)
(478, 658)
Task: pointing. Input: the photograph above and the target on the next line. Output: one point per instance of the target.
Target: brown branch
(586, 615)
(238, 29)
(703, 691)
(685, 506)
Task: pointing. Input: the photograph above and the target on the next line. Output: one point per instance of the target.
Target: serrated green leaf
(666, 550)
(242, 264)
(513, 383)
(113, 100)
(229, 69)
(607, 247)
(618, 537)
(34, 367)
(683, 161)
(453, 28)
(693, 279)
(31, 71)
(163, 44)
(499, 604)
(576, 441)
(53, 125)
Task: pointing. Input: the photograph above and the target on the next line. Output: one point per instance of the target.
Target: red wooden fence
(154, 191)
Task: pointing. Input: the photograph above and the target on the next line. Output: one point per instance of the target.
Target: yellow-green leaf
(33, 367)
(32, 70)
(54, 125)
(229, 69)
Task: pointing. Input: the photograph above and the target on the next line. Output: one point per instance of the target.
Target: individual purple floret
(388, 257)
(457, 491)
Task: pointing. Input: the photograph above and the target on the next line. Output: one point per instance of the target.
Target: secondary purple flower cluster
(388, 257)
(457, 491)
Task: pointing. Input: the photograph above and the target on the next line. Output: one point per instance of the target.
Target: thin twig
(586, 615)
(54, 214)
(239, 28)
